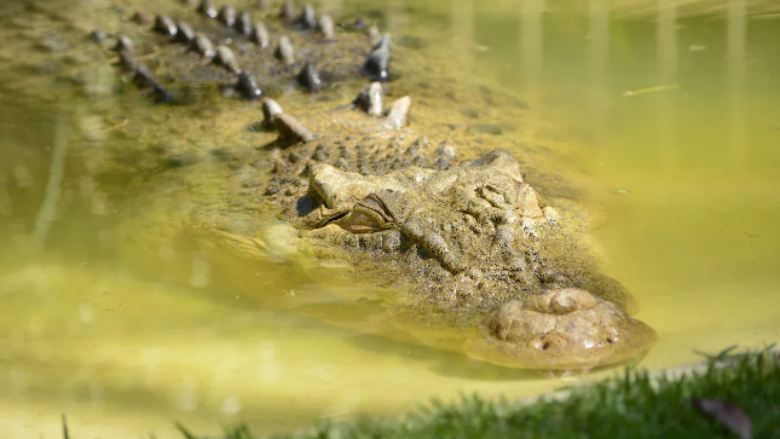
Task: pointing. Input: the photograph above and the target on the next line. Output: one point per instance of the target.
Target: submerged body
(472, 257)
(507, 277)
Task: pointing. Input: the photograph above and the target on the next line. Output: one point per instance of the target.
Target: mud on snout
(563, 329)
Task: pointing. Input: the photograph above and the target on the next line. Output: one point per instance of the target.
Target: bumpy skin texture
(478, 249)
(477, 259)
(186, 68)
(560, 329)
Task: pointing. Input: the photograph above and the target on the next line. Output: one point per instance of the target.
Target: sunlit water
(678, 120)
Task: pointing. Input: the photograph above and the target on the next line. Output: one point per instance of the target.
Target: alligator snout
(562, 329)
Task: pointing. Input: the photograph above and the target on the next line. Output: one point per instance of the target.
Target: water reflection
(531, 39)
(53, 186)
(735, 60)
(462, 29)
(666, 40)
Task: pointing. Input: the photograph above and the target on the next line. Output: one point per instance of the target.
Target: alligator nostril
(609, 340)
(546, 345)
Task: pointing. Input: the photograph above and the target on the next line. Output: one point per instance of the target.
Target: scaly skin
(480, 260)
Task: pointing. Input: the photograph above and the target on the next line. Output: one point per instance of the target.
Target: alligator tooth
(287, 13)
(327, 28)
(207, 8)
(247, 86)
(260, 35)
(284, 51)
(290, 129)
(397, 113)
(164, 25)
(224, 57)
(123, 44)
(378, 61)
(227, 15)
(244, 24)
(371, 99)
(308, 19)
(202, 45)
(270, 109)
(185, 33)
(309, 78)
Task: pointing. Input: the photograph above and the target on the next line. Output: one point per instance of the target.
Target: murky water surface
(676, 119)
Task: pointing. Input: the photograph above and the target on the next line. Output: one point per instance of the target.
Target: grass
(636, 404)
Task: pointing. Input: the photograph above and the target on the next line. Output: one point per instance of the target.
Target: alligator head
(477, 245)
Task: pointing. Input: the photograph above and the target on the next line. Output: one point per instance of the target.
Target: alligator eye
(368, 216)
(362, 220)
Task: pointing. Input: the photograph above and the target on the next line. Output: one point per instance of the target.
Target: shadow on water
(444, 363)
(372, 331)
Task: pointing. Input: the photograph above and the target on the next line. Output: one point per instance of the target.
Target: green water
(687, 185)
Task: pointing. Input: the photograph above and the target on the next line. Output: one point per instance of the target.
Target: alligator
(478, 257)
